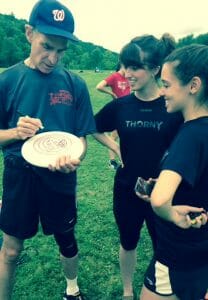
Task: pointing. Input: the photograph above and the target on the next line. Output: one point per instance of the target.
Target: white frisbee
(44, 148)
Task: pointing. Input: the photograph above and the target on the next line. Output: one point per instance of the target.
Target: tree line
(81, 56)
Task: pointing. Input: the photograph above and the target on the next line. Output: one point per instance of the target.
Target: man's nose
(53, 58)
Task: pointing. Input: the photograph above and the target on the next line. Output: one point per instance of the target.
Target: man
(44, 94)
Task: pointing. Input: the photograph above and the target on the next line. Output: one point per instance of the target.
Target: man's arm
(8, 136)
(26, 127)
(84, 142)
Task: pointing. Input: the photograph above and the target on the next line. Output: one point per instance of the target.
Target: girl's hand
(183, 216)
(143, 188)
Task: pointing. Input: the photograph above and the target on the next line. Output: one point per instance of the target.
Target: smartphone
(143, 187)
(193, 215)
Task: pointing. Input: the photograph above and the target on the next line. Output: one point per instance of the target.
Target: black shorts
(27, 200)
(130, 213)
(186, 285)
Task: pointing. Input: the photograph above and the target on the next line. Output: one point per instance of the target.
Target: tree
(14, 47)
(190, 39)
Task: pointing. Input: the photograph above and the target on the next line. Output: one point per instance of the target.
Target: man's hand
(65, 164)
(27, 127)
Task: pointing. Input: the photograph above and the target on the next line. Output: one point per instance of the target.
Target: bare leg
(148, 295)
(10, 251)
(127, 267)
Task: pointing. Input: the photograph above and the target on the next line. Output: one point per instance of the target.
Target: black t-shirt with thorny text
(145, 131)
(188, 156)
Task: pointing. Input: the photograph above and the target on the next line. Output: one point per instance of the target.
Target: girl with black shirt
(145, 130)
(180, 200)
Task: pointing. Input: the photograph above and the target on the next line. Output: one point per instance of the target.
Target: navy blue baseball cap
(53, 18)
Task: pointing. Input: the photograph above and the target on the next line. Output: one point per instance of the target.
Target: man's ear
(29, 32)
(195, 85)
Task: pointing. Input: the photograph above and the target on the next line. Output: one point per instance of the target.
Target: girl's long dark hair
(147, 50)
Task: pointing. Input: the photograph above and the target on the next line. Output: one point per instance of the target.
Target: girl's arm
(161, 201)
(105, 140)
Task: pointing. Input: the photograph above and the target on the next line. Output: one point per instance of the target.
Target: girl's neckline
(148, 100)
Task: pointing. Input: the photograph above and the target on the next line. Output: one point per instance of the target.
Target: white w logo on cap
(58, 15)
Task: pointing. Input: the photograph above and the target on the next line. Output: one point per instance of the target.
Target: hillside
(14, 47)
(80, 56)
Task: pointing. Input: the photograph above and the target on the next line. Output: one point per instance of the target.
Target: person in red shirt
(117, 86)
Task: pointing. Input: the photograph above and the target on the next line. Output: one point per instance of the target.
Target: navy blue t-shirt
(59, 99)
(188, 156)
(145, 130)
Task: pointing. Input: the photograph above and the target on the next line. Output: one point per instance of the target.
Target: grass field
(40, 275)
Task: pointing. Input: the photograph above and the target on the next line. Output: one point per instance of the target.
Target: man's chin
(46, 70)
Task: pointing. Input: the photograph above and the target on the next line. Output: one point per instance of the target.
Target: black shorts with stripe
(186, 285)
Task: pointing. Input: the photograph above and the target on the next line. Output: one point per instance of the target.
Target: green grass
(40, 276)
